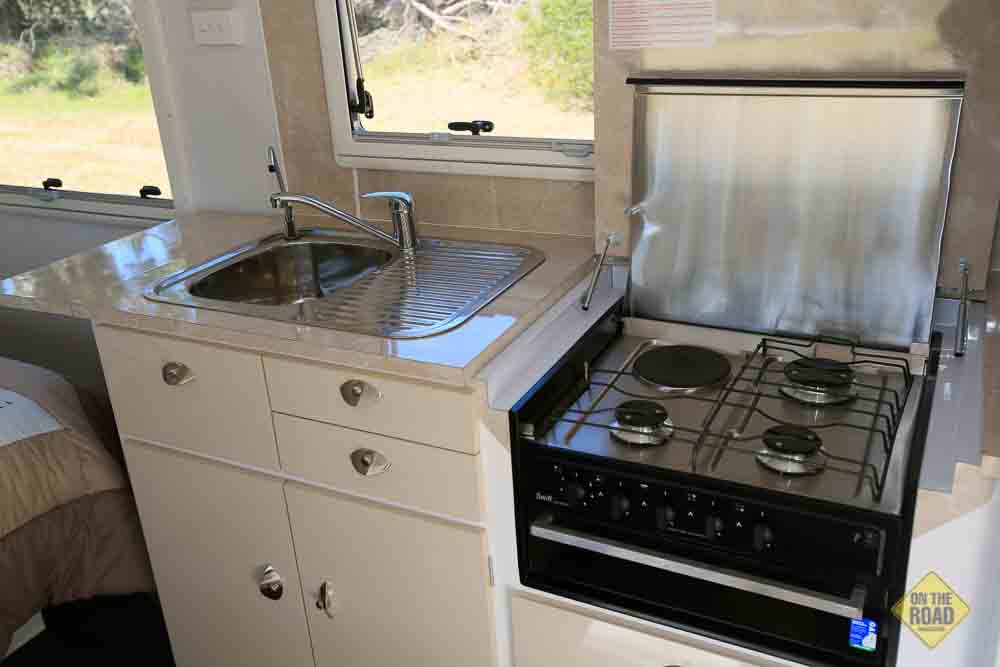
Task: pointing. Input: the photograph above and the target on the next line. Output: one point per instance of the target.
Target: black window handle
(50, 183)
(148, 191)
(475, 126)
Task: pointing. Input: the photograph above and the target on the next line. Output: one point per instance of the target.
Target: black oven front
(803, 579)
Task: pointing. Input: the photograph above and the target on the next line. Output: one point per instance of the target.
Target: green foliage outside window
(559, 38)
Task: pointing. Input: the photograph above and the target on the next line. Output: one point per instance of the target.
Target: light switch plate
(217, 27)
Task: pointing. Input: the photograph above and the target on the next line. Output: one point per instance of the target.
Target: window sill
(462, 168)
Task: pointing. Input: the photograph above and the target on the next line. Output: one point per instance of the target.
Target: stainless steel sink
(352, 283)
(292, 272)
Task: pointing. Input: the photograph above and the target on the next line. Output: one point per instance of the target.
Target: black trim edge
(920, 84)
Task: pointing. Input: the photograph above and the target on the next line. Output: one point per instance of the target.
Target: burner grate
(754, 383)
(736, 417)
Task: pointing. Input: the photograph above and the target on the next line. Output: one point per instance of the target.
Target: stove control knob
(763, 537)
(620, 506)
(575, 493)
(715, 527)
(665, 517)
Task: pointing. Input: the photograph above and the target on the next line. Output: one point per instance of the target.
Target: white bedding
(22, 418)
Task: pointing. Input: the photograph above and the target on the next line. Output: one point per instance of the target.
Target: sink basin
(292, 272)
(352, 283)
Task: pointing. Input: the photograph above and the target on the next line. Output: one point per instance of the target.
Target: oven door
(830, 627)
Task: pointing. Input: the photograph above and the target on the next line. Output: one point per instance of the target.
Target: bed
(68, 525)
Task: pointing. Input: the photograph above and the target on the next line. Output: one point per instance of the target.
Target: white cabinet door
(404, 589)
(211, 531)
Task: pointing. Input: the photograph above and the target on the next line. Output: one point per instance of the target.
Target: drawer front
(409, 410)
(427, 478)
(588, 642)
(211, 400)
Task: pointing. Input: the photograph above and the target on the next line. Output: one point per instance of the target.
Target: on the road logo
(931, 610)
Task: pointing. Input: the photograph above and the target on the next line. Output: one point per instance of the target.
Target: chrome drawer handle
(353, 391)
(271, 585)
(325, 601)
(368, 462)
(176, 374)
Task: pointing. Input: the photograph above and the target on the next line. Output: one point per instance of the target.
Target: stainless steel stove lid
(762, 208)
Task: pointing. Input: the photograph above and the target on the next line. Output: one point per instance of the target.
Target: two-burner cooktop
(782, 417)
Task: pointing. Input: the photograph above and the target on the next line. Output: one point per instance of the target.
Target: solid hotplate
(681, 367)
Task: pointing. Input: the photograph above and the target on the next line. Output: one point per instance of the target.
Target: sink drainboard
(438, 288)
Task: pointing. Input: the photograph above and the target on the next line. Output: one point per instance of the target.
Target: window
(407, 80)
(76, 111)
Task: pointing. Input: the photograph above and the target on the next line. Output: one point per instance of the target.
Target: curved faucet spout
(280, 199)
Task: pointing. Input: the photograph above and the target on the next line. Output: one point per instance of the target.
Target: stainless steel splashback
(805, 208)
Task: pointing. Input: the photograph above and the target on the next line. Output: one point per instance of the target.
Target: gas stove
(776, 417)
(758, 490)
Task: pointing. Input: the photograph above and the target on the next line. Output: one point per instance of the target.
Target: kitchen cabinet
(387, 587)
(212, 531)
(290, 524)
(546, 635)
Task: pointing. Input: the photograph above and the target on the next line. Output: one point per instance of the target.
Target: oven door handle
(852, 607)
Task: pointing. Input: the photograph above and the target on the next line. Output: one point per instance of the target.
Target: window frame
(554, 159)
(150, 211)
(153, 210)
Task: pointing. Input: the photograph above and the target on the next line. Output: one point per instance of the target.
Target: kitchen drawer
(218, 406)
(546, 635)
(427, 478)
(410, 410)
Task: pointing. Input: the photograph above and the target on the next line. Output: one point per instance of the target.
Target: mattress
(68, 526)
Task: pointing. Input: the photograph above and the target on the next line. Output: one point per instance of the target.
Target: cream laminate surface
(106, 285)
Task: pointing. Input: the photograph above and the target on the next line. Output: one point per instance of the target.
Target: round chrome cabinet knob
(271, 585)
(176, 374)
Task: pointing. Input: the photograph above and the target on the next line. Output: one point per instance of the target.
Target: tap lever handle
(397, 200)
(403, 219)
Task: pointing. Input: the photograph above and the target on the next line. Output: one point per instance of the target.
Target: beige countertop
(106, 285)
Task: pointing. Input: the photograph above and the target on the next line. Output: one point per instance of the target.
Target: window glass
(75, 102)
(525, 65)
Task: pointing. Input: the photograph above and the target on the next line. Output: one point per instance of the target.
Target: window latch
(475, 126)
(49, 192)
(365, 104)
(147, 191)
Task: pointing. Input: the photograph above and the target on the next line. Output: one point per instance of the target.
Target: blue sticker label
(864, 634)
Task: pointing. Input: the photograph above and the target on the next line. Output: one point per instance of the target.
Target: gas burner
(642, 423)
(792, 450)
(681, 368)
(816, 381)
